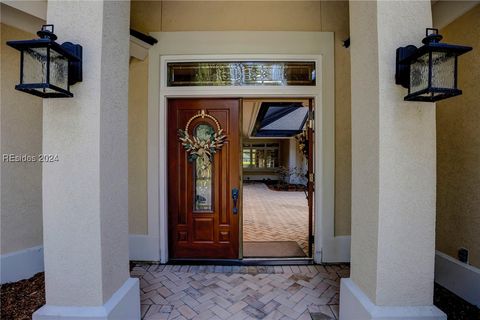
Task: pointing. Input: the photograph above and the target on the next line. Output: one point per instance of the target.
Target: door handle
(235, 194)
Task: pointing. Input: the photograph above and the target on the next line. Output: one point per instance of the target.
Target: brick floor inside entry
(239, 292)
(274, 215)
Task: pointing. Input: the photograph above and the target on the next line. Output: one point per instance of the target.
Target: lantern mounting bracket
(75, 66)
(402, 72)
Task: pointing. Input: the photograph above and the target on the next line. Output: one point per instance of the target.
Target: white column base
(355, 305)
(123, 305)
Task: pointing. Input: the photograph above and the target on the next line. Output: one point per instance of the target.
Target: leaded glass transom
(251, 73)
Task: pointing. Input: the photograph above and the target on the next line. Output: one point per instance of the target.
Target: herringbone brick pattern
(274, 215)
(234, 292)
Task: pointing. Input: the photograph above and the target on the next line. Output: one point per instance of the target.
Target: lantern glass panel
(58, 70)
(419, 74)
(35, 65)
(443, 70)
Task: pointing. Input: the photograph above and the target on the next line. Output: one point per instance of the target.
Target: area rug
(272, 249)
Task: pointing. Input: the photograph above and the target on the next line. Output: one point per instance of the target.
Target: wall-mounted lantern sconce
(429, 72)
(48, 69)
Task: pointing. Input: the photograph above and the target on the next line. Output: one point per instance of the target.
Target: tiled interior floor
(234, 292)
(274, 215)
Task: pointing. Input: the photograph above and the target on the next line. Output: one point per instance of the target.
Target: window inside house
(261, 155)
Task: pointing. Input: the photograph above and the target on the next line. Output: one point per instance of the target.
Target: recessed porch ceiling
(273, 118)
(280, 119)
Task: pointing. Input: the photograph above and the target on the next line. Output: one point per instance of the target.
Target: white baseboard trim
(458, 277)
(336, 249)
(22, 264)
(144, 247)
(355, 305)
(123, 305)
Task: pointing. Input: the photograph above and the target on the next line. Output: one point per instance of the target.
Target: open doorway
(277, 211)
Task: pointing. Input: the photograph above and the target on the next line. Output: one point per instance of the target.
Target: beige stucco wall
(21, 133)
(458, 148)
(137, 146)
(152, 16)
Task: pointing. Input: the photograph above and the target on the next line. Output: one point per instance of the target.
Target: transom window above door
(241, 73)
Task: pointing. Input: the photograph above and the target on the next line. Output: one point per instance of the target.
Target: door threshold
(244, 262)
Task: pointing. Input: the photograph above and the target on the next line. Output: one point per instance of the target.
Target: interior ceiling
(250, 111)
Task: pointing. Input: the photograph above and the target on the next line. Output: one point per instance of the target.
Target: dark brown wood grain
(200, 234)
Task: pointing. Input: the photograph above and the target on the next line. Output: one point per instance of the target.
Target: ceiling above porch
(273, 118)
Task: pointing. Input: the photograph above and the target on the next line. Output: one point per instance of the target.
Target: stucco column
(85, 193)
(393, 171)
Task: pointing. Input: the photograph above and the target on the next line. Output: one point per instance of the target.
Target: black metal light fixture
(48, 69)
(429, 72)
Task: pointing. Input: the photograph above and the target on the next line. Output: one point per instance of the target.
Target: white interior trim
(22, 264)
(458, 277)
(190, 46)
(356, 305)
(123, 305)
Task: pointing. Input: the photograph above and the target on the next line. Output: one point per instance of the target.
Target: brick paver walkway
(234, 292)
(274, 215)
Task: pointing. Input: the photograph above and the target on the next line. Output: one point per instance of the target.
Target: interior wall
(458, 148)
(21, 134)
(328, 16)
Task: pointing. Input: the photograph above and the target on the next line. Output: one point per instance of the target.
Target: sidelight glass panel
(203, 184)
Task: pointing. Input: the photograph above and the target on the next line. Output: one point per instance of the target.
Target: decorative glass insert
(203, 173)
(252, 73)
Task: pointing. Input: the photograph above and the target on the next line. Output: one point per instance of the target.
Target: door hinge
(311, 177)
(311, 123)
(312, 238)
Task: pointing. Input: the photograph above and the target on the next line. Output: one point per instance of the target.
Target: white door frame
(240, 46)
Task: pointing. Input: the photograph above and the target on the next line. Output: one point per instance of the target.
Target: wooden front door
(203, 217)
